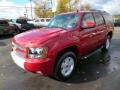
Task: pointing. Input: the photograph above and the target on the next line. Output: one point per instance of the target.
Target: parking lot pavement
(90, 75)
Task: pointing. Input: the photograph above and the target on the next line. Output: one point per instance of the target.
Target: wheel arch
(110, 34)
(70, 48)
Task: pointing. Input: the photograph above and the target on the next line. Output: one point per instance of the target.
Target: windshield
(64, 21)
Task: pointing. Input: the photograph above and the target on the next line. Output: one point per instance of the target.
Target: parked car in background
(117, 23)
(41, 22)
(55, 49)
(22, 25)
(7, 28)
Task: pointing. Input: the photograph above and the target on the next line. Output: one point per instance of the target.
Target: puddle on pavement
(94, 67)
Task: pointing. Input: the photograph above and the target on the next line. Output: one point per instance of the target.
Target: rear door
(102, 28)
(108, 21)
(88, 38)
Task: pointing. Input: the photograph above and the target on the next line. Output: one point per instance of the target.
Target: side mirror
(88, 24)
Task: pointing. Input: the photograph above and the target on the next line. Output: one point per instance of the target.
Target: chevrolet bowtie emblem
(14, 48)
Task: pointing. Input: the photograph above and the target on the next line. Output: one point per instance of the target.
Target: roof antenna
(79, 6)
(77, 10)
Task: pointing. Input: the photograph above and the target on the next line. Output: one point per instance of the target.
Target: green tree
(41, 12)
(62, 6)
(117, 16)
(86, 7)
(38, 11)
(74, 5)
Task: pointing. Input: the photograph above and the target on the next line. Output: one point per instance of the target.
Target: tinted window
(3, 23)
(42, 20)
(36, 20)
(88, 19)
(21, 21)
(47, 20)
(108, 18)
(117, 21)
(99, 19)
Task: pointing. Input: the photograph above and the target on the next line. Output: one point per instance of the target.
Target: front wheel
(106, 46)
(65, 66)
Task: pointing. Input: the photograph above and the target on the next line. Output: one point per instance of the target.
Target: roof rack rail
(97, 10)
(94, 10)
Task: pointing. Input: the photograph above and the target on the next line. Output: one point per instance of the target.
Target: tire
(65, 66)
(105, 57)
(106, 45)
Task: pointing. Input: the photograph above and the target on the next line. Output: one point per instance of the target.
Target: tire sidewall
(108, 39)
(104, 45)
(58, 73)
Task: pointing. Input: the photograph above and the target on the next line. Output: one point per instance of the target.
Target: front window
(66, 21)
(88, 21)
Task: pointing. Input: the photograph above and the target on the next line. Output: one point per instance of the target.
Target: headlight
(37, 52)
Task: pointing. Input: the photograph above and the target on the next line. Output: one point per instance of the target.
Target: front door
(88, 40)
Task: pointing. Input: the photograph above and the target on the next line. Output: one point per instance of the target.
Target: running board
(92, 53)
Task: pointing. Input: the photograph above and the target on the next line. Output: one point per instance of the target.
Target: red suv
(55, 49)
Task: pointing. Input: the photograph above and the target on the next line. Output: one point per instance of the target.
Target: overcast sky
(111, 6)
(15, 8)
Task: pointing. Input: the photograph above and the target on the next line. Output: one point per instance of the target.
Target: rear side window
(99, 19)
(36, 20)
(87, 20)
(21, 21)
(47, 20)
(108, 18)
(4, 23)
(42, 20)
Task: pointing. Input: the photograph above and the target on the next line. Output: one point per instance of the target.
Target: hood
(36, 37)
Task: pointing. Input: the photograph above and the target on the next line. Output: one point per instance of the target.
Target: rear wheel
(106, 45)
(65, 66)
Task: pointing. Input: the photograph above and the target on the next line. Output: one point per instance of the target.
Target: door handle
(93, 33)
(102, 31)
(99, 32)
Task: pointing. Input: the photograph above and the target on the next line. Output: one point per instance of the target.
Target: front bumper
(43, 67)
(18, 60)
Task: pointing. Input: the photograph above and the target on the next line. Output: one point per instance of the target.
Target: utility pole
(26, 13)
(31, 9)
(53, 7)
(69, 6)
(80, 5)
(44, 16)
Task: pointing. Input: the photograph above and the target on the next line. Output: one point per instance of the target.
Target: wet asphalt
(91, 73)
